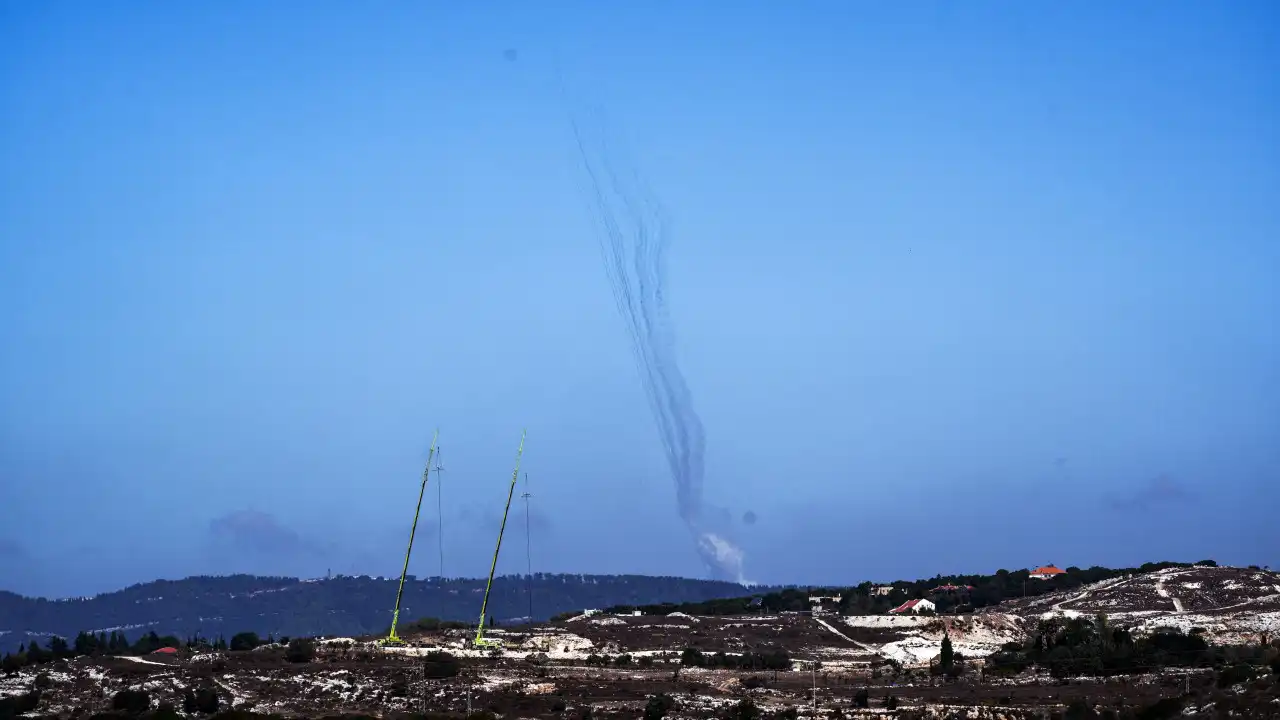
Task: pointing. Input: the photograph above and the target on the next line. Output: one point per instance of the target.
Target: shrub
(862, 699)
(1234, 675)
(438, 665)
(203, 700)
(300, 650)
(891, 703)
(744, 709)
(658, 706)
(133, 701)
(751, 682)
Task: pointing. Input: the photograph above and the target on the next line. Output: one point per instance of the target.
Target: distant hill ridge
(341, 605)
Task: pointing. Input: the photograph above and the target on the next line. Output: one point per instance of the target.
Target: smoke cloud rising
(631, 228)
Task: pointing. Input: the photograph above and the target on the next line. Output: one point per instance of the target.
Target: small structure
(819, 603)
(171, 652)
(914, 607)
(882, 590)
(1048, 572)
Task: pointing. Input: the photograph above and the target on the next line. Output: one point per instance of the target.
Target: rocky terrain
(616, 665)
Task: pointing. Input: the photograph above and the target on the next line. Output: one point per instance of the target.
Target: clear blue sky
(956, 286)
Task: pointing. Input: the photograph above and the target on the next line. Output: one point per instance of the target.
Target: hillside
(1226, 604)
(213, 606)
(1025, 659)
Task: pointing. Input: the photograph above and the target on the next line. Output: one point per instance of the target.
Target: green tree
(948, 658)
(58, 646)
(244, 641)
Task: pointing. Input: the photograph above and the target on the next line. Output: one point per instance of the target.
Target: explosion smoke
(631, 229)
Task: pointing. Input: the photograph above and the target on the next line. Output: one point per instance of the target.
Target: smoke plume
(631, 228)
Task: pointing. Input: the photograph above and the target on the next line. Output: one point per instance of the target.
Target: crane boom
(515, 476)
(394, 639)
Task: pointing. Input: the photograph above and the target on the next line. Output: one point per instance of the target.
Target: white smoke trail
(632, 233)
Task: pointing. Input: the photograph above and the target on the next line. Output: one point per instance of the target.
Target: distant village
(959, 594)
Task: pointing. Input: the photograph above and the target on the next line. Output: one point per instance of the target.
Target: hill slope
(213, 606)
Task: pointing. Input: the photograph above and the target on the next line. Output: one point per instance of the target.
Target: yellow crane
(481, 640)
(394, 639)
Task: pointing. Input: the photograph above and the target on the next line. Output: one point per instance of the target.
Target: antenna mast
(394, 639)
(481, 641)
(440, 511)
(528, 552)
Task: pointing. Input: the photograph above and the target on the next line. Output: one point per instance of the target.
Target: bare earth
(546, 672)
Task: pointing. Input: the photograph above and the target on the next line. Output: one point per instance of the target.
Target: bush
(658, 706)
(891, 703)
(300, 650)
(751, 682)
(132, 701)
(43, 681)
(744, 709)
(204, 700)
(1234, 675)
(17, 705)
(1079, 709)
(862, 699)
(166, 711)
(438, 665)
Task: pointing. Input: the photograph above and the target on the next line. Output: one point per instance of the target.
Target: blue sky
(956, 287)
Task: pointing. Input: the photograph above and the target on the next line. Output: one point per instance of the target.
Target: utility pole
(528, 551)
(440, 513)
(814, 668)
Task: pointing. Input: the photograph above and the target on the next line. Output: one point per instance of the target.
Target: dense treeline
(349, 606)
(972, 592)
(117, 643)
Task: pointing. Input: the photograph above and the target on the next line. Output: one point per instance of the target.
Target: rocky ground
(557, 670)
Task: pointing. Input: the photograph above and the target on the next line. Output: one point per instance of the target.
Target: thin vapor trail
(632, 235)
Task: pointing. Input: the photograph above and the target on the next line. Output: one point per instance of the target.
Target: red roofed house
(1047, 572)
(166, 651)
(914, 606)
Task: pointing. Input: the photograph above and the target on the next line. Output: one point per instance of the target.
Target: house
(171, 652)
(949, 588)
(1048, 572)
(914, 607)
(819, 603)
(882, 590)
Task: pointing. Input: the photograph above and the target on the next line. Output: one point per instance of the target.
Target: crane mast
(394, 639)
(481, 640)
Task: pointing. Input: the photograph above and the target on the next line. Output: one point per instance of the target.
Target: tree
(85, 644)
(35, 655)
(58, 646)
(244, 641)
(947, 660)
(862, 699)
